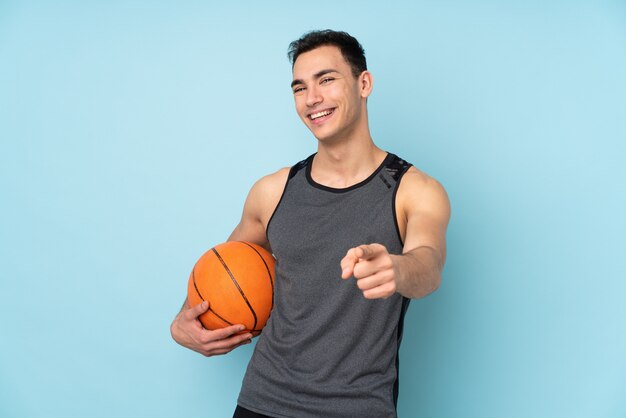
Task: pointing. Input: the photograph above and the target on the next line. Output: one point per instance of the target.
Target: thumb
(199, 309)
(367, 251)
(348, 263)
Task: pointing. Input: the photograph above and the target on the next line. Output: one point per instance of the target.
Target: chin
(323, 137)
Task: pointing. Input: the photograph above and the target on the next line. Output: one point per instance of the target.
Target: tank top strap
(396, 167)
(299, 166)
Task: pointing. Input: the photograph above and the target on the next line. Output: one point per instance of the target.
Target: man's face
(328, 97)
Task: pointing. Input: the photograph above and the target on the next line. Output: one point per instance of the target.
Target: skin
(322, 82)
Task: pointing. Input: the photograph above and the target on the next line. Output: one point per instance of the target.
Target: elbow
(436, 282)
(429, 285)
(433, 284)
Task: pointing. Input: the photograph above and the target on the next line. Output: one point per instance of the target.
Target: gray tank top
(326, 351)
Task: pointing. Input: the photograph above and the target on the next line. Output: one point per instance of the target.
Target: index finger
(222, 333)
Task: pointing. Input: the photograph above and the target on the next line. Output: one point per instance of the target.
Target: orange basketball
(237, 279)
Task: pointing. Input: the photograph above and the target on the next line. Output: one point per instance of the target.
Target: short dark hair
(350, 48)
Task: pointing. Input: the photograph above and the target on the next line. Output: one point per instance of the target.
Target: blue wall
(130, 133)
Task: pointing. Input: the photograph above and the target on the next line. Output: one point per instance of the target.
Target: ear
(366, 83)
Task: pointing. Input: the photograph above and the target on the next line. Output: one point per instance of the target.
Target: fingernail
(241, 328)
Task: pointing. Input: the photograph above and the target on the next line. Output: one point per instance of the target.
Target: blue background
(132, 131)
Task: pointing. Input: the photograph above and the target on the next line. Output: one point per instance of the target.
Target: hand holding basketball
(236, 278)
(187, 331)
(372, 266)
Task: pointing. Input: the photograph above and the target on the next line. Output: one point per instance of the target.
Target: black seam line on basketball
(193, 276)
(269, 274)
(243, 295)
(220, 317)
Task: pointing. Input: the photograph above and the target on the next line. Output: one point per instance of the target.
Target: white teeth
(320, 114)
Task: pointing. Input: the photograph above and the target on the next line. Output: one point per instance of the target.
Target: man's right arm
(186, 328)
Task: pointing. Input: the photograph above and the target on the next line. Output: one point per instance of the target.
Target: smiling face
(329, 99)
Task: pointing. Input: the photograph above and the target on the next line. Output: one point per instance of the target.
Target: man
(356, 231)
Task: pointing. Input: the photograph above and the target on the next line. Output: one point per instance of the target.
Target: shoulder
(269, 187)
(265, 195)
(275, 183)
(416, 180)
(271, 183)
(419, 191)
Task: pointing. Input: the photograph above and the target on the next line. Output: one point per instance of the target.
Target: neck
(353, 144)
(343, 164)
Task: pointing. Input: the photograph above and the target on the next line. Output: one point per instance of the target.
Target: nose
(313, 96)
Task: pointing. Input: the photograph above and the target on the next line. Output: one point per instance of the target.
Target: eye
(297, 90)
(326, 80)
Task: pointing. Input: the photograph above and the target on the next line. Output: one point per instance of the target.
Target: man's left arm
(423, 211)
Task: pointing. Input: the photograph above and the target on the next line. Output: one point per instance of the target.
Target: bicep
(250, 227)
(427, 213)
(260, 204)
(251, 230)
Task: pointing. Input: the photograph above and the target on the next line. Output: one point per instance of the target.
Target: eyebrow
(316, 75)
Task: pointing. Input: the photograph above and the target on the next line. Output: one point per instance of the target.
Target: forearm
(418, 272)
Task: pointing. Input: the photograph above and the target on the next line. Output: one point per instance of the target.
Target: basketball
(237, 279)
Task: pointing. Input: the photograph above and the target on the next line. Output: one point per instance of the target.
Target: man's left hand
(373, 268)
